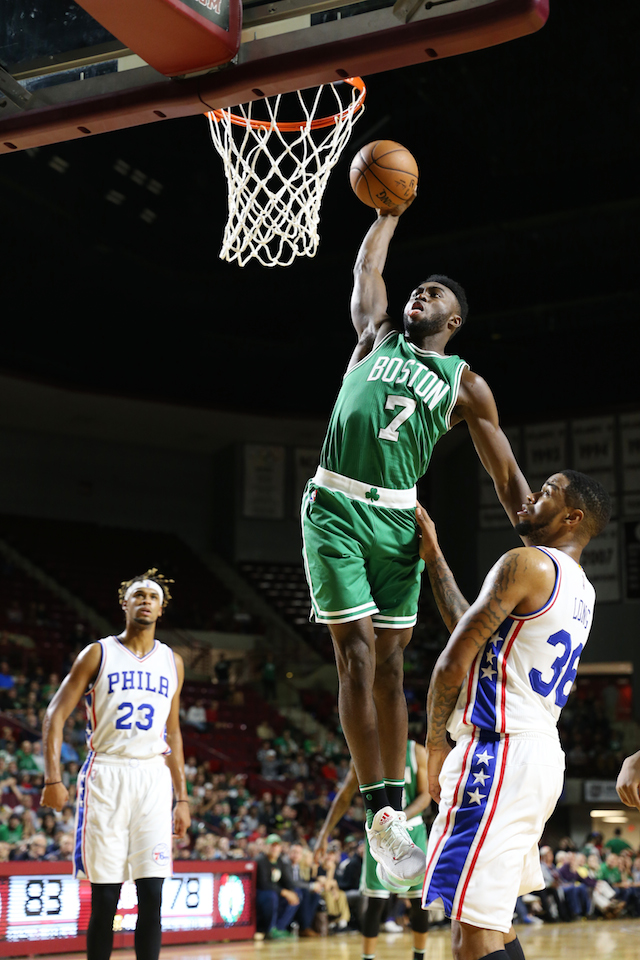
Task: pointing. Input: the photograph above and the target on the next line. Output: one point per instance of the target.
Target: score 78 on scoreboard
(43, 905)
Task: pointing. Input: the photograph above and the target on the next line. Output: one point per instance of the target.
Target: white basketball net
(276, 176)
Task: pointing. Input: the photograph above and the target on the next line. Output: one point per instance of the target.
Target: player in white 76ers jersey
(498, 689)
(131, 684)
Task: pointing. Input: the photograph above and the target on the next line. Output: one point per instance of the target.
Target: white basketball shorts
(496, 796)
(123, 819)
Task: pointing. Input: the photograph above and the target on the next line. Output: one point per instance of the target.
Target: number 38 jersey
(393, 406)
(521, 679)
(129, 702)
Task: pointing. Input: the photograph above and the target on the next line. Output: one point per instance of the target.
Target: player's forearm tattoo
(446, 592)
(484, 621)
(477, 628)
(441, 700)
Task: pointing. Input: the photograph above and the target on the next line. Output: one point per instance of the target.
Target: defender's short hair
(586, 494)
(152, 574)
(456, 288)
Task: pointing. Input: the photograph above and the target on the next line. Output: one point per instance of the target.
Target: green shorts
(360, 560)
(370, 886)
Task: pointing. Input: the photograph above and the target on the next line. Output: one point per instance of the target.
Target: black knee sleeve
(514, 950)
(372, 915)
(418, 918)
(148, 934)
(104, 901)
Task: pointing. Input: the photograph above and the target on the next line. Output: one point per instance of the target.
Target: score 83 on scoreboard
(43, 904)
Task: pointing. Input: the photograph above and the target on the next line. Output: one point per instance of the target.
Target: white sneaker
(391, 845)
(390, 926)
(392, 885)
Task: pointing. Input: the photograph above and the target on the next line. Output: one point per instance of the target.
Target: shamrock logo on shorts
(372, 494)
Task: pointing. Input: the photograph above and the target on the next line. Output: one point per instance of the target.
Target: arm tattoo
(484, 622)
(477, 629)
(446, 592)
(441, 700)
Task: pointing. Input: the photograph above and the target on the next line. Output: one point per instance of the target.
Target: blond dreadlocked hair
(151, 574)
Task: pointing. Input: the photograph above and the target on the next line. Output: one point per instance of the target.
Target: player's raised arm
(337, 810)
(521, 577)
(66, 699)
(476, 405)
(369, 295)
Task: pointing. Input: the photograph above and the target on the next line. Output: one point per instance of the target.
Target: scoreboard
(43, 904)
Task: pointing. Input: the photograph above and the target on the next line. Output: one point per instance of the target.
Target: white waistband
(113, 758)
(374, 496)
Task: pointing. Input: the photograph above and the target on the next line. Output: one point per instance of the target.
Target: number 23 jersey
(521, 679)
(129, 702)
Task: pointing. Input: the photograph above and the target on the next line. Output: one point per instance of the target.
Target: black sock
(514, 950)
(374, 796)
(104, 901)
(418, 954)
(395, 789)
(148, 935)
(498, 955)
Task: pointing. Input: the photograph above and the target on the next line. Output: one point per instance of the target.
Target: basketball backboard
(64, 76)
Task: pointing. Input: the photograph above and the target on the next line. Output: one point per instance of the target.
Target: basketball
(383, 174)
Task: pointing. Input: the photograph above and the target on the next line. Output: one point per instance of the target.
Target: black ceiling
(529, 157)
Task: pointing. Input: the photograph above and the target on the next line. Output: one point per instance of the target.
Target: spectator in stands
(49, 826)
(11, 831)
(616, 844)
(35, 848)
(285, 744)
(24, 757)
(62, 849)
(610, 872)
(5, 850)
(196, 716)
(297, 767)
(10, 793)
(576, 892)
(269, 683)
(66, 823)
(276, 900)
(307, 887)
(269, 764)
(593, 844)
(50, 687)
(7, 743)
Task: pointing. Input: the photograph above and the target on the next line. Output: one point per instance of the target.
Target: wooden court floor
(585, 940)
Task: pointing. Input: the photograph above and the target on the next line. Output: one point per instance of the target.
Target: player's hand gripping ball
(384, 174)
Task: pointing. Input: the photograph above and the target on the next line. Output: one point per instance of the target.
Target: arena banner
(594, 442)
(264, 481)
(545, 451)
(601, 562)
(630, 456)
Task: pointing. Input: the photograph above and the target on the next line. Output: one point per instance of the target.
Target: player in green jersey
(400, 394)
(415, 799)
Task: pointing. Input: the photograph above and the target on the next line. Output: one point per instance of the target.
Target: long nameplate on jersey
(175, 37)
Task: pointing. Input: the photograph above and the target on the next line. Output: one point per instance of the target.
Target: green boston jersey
(393, 407)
